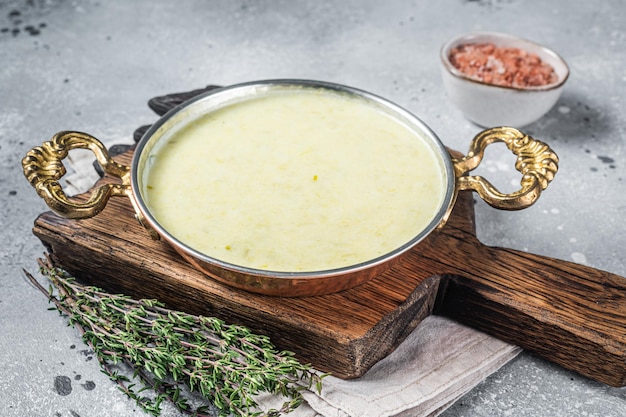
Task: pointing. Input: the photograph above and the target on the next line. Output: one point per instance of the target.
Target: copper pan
(43, 168)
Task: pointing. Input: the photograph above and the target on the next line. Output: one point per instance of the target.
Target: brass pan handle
(535, 161)
(43, 168)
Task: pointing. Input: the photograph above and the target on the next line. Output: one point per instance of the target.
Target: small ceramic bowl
(493, 105)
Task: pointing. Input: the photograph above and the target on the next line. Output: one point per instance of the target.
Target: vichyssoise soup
(298, 181)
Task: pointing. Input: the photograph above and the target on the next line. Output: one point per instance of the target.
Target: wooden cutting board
(568, 313)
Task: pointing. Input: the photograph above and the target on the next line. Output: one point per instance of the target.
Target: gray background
(92, 65)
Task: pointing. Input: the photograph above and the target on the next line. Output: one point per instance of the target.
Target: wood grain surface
(568, 313)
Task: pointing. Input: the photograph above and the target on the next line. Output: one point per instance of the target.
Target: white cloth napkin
(437, 363)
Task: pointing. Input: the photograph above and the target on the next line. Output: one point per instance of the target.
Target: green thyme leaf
(175, 356)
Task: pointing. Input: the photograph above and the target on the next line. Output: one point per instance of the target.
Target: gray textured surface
(92, 65)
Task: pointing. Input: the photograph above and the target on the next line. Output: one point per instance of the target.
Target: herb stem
(176, 354)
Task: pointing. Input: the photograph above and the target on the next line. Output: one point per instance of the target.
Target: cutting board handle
(568, 313)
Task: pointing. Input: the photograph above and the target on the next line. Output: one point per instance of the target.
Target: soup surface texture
(301, 181)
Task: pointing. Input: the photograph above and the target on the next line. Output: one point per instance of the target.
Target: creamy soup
(307, 180)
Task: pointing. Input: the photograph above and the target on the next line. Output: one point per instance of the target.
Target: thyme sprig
(174, 355)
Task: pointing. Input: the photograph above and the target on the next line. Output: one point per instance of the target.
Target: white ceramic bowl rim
(502, 39)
